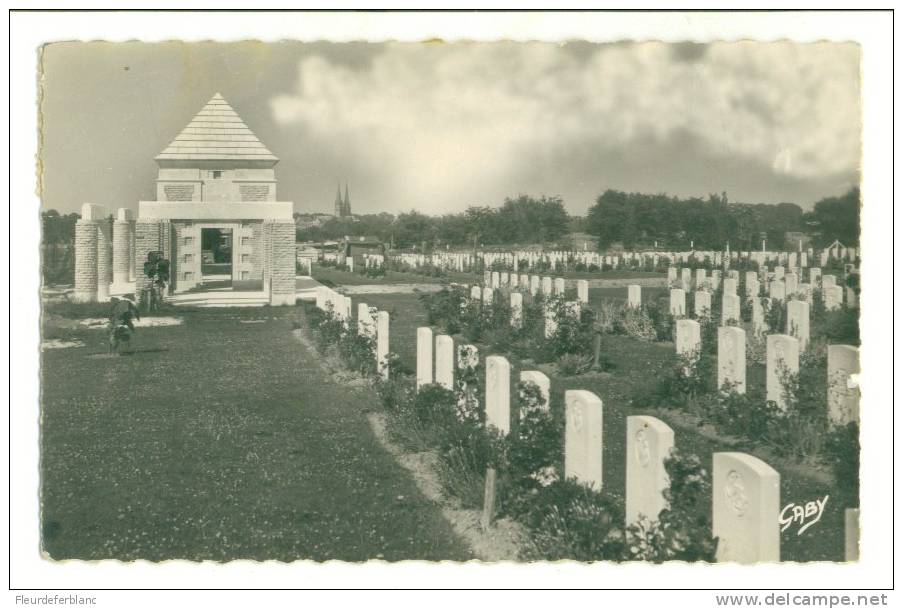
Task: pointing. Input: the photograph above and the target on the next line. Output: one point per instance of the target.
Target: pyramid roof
(216, 133)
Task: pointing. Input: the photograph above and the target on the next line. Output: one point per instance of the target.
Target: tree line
(634, 220)
(637, 220)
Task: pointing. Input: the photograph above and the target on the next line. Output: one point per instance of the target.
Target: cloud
(444, 122)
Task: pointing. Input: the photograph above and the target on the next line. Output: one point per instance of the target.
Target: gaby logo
(804, 514)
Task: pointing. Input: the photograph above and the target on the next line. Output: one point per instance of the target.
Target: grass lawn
(219, 439)
(637, 365)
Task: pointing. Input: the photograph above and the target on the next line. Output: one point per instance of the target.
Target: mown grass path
(220, 439)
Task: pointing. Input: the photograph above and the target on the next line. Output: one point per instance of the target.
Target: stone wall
(281, 252)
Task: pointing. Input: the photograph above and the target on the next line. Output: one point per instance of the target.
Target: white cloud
(446, 118)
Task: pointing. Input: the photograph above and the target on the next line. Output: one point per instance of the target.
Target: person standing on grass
(122, 311)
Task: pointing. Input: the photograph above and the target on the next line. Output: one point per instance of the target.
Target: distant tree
(836, 218)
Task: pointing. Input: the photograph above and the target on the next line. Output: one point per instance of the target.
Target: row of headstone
(745, 490)
(782, 358)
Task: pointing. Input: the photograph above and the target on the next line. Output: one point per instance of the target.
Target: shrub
(683, 529)
(841, 451)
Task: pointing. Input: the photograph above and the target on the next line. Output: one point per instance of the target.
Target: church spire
(347, 203)
(339, 206)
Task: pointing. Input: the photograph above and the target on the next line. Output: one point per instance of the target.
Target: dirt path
(222, 440)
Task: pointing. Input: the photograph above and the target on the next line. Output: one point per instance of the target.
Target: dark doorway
(216, 255)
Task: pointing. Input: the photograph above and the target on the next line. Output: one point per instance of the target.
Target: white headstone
(445, 361)
(382, 343)
(583, 291)
(634, 296)
(687, 337)
(559, 286)
(498, 393)
(583, 437)
(843, 394)
(782, 354)
(832, 296)
(424, 356)
(702, 303)
(798, 322)
(730, 308)
(678, 302)
(649, 443)
(746, 495)
(540, 380)
(732, 358)
(517, 309)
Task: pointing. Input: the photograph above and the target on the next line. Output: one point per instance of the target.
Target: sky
(439, 127)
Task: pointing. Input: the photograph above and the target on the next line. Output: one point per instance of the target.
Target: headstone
(685, 276)
(843, 394)
(782, 355)
(534, 284)
(672, 275)
(364, 320)
(832, 296)
(540, 380)
(814, 275)
(559, 287)
(758, 318)
(732, 358)
(776, 290)
(583, 291)
(487, 278)
(498, 393)
(702, 303)
(730, 308)
(487, 296)
(779, 272)
(503, 279)
(687, 337)
(791, 283)
(445, 361)
(851, 534)
(424, 356)
(476, 293)
(517, 309)
(700, 279)
(746, 495)
(583, 437)
(798, 322)
(828, 281)
(730, 285)
(546, 286)
(649, 443)
(634, 296)
(382, 343)
(678, 302)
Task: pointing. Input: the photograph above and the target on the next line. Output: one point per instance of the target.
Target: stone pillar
(540, 380)
(843, 395)
(798, 322)
(498, 393)
(86, 237)
(104, 259)
(424, 356)
(782, 354)
(132, 275)
(122, 228)
(730, 308)
(382, 343)
(746, 494)
(445, 361)
(583, 291)
(732, 358)
(517, 309)
(702, 303)
(678, 303)
(583, 437)
(282, 264)
(634, 296)
(649, 442)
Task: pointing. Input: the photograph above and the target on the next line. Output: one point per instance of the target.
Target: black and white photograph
(381, 300)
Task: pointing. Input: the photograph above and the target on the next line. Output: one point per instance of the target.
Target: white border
(872, 30)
